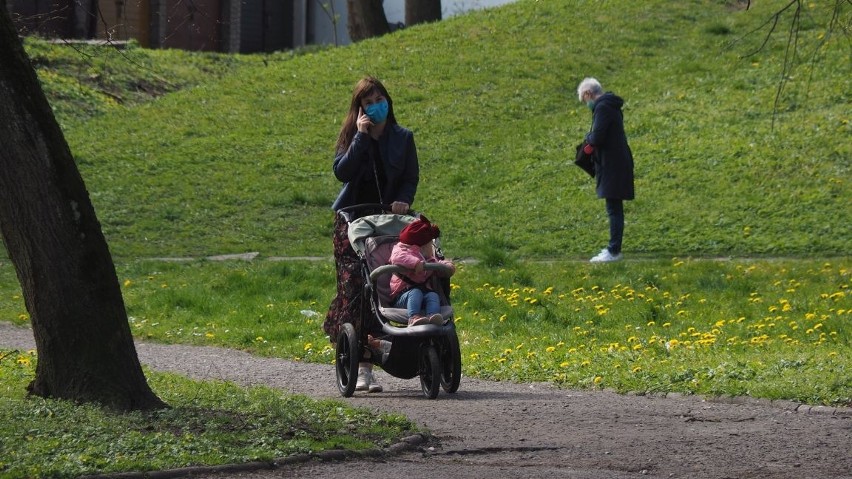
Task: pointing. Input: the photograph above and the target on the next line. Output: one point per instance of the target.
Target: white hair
(589, 85)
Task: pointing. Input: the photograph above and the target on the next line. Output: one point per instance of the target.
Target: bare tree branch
(795, 8)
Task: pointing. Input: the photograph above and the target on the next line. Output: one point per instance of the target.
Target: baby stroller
(430, 351)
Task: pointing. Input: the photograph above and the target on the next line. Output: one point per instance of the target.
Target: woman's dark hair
(365, 87)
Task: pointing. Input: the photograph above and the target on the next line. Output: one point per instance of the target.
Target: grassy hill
(235, 152)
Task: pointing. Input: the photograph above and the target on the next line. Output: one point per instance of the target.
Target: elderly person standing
(607, 144)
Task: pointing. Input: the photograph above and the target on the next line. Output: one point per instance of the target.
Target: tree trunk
(366, 19)
(53, 238)
(422, 11)
(85, 19)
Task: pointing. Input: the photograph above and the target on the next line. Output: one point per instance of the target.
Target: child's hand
(419, 267)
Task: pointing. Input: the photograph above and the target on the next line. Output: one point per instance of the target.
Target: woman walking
(376, 160)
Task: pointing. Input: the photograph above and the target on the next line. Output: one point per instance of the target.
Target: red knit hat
(419, 232)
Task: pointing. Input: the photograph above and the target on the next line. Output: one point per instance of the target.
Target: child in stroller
(413, 289)
(381, 334)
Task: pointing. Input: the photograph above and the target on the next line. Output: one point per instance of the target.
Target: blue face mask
(591, 105)
(378, 112)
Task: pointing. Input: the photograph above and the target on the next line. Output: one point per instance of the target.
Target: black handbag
(584, 161)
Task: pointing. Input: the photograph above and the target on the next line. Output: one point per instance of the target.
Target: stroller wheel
(346, 359)
(450, 364)
(430, 371)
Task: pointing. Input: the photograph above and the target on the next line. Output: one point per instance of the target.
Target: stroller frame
(430, 351)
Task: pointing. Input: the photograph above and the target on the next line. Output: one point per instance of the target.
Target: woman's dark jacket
(612, 155)
(399, 164)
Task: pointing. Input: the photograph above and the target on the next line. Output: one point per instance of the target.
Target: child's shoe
(418, 319)
(436, 319)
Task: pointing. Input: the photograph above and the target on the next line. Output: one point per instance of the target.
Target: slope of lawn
(240, 158)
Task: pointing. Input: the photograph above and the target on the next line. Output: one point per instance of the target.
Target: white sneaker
(365, 377)
(374, 387)
(605, 257)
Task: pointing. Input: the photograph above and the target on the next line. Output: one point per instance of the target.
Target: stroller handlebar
(350, 213)
(361, 206)
(393, 268)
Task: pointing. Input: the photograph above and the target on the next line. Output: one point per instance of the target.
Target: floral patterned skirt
(350, 305)
(346, 306)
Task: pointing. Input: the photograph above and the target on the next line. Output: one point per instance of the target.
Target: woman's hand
(363, 122)
(400, 208)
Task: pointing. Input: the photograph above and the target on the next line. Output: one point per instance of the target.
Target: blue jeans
(414, 300)
(615, 211)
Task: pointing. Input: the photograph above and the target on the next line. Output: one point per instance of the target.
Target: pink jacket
(409, 256)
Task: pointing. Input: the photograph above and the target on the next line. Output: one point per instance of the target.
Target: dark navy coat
(399, 164)
(612, 155)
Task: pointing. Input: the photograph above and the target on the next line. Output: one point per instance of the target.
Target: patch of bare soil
(508, 430)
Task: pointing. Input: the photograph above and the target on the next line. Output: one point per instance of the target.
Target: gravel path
(508, 430)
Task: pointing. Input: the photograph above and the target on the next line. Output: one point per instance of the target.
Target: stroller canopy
(375, 225)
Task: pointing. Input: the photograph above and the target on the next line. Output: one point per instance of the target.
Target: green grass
(191, 154)
(242, 161)
(209, 423)
(776, 329)
(770, 329)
